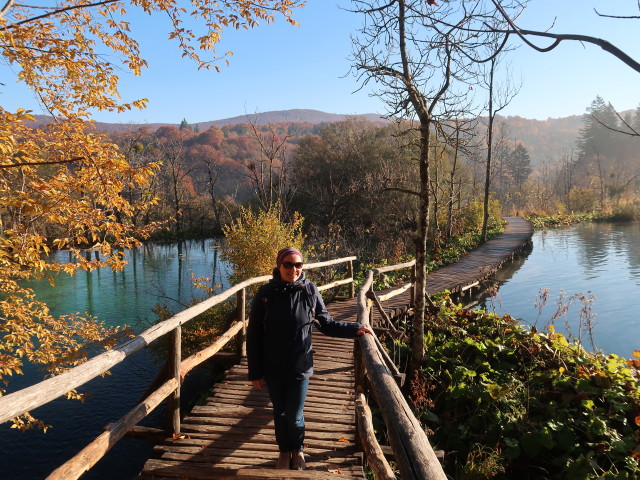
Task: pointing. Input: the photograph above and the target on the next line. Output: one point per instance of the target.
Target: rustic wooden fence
(375, 373)
(29, 398)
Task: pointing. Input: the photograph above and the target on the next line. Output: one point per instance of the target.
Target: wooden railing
(27, 399)
(414, 456)
(374, 373)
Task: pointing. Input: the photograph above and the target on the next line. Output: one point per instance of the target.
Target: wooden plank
(343, 416)
(246, 457)
(171, 469)
(336, 435)
(258, 439)
(266, 444)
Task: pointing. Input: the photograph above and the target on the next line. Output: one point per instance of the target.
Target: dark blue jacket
(279, 332)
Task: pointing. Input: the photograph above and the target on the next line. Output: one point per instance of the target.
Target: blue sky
(279, 67)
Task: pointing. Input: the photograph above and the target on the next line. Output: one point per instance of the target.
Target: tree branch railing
(414, 455)
(27, 399)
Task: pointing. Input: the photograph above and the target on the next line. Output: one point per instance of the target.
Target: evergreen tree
(520, 164)
(184, 124)
(596, 139)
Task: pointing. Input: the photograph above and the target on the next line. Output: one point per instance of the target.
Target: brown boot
(284, 461)
(297, 460)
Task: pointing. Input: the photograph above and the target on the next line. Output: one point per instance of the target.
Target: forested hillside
(545, 140)
(328, 170)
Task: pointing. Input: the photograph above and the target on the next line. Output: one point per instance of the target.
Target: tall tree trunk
(417, 337)
(452, 189)
(487, 180)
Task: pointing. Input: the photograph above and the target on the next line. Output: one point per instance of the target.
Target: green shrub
(254, 239)
(474, 214)
(625, 213)
(552, 221)
(504, 402)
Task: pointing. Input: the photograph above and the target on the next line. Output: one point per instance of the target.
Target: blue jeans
(287, 397)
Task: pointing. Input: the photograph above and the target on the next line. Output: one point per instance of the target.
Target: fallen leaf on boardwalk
(175, 435)
(337, 470)
(342, 439)
(203, 446)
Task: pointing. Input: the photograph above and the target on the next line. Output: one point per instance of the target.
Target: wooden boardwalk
(474, 267)
(231, 436)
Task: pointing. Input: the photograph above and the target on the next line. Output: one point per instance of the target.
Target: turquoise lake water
(156, 274)
(598, 260)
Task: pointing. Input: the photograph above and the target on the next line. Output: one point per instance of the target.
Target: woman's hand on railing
(259, 384)
(364, 330)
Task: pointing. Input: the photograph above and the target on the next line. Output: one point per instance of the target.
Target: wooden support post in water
(173, 404)
(241, 306)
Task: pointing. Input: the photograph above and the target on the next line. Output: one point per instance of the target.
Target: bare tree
(462, 141)
(268, 174)
(499, 96)
(211, 159)
(177, 175)
(420, 57)
(558, 38)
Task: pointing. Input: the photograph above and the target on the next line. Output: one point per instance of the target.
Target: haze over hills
(263, 118)
(545, 140)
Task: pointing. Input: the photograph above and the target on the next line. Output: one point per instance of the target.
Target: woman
(279, 350)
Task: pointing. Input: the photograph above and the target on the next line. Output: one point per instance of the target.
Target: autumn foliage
(63, 186)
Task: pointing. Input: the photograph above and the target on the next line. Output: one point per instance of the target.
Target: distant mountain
(284, 116)
(281, 116)
(545, 140)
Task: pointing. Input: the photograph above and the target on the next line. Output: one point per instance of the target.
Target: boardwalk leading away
(483, 261)
(231, 436)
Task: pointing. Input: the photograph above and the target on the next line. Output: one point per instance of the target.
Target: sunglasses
(289, 265)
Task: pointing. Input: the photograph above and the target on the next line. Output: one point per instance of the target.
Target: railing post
(173, 403)
(360, 378)
(352, 286)
(369, 302)
(412, 296)
(241, 301)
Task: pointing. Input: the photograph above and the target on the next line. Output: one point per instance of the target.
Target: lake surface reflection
(595, 259)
